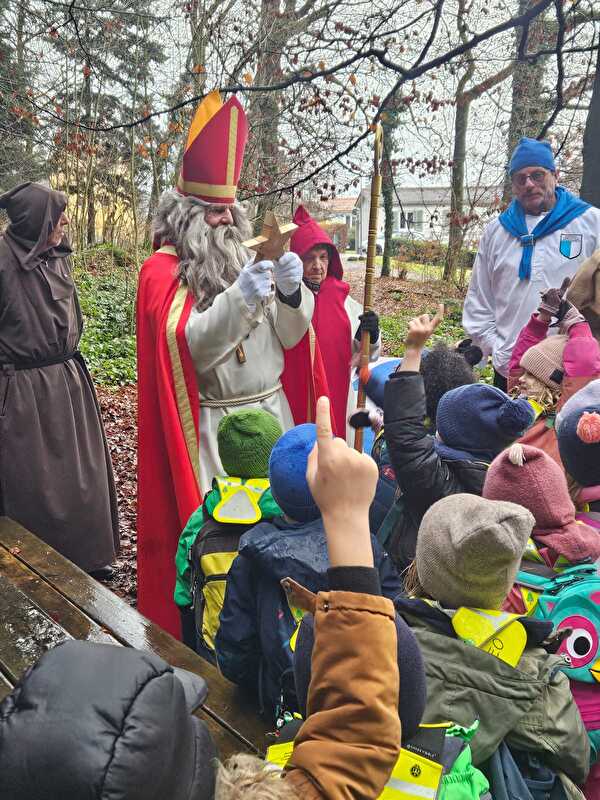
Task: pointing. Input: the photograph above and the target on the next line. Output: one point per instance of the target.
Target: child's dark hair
(443, 369)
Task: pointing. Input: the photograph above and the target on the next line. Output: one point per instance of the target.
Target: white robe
(498, 305)
(213, 336)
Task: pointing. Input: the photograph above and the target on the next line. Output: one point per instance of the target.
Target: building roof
(439, 196)
(340, 205)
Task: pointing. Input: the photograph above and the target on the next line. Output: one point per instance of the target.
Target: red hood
(309, 235)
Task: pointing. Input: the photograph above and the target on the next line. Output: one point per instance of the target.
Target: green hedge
(424, 252)
(106, 280)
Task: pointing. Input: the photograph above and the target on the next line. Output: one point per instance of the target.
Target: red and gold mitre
(214, 151)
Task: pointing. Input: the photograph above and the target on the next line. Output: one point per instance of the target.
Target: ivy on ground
(106, 280)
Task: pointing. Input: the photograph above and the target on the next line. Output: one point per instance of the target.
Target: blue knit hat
(287, 473)
(478, 418)
(579, 445)
(580, 401)
(531, 153)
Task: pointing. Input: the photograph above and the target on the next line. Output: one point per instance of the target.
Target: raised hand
(342, 482)
(421, 328)
(256, 282)
(288, 273)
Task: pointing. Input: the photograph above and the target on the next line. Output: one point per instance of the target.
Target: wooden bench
(45, 599)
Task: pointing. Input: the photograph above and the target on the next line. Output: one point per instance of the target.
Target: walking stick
(369, 274)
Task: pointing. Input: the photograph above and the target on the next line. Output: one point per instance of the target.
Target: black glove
(470, 352)
(369, 321)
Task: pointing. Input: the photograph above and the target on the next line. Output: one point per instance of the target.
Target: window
(407, 219)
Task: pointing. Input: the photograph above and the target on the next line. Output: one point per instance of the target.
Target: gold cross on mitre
(271, 242)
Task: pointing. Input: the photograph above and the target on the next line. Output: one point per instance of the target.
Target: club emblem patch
(571, 244)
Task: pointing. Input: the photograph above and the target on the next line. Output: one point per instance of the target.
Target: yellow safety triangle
(239, 503)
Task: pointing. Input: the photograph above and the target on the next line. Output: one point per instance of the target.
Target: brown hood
(33, 210)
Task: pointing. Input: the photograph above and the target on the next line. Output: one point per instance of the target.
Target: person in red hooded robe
(323, 361)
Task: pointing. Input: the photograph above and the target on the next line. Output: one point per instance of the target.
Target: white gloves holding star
(256, 279)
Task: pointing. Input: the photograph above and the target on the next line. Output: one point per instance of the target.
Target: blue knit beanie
(579, 445)
(531, 153)
(287, 473)
(481, 419)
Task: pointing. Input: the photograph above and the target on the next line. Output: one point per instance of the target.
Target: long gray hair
(210, 259)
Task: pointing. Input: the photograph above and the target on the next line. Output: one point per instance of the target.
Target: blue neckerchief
(566, 209)
(451, 454)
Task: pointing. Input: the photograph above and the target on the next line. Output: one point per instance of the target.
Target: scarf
(566, 209)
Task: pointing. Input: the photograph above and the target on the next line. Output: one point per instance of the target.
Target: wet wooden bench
(45, 599)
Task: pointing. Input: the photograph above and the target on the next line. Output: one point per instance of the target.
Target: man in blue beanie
(542, 238)
(258, 627)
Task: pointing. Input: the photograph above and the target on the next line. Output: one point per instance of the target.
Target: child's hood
(414, 610)
(283, 549)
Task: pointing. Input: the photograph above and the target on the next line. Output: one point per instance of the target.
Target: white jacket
(498, 305)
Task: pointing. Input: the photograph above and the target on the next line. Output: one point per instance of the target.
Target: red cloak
(168, 410)
(320, 363)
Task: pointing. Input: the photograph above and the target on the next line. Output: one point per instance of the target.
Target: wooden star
(270, 244)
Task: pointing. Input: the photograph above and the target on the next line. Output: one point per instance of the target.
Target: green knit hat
(245, 440)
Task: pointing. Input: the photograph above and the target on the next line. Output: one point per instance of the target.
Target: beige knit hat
(469, 550)
(545, 360)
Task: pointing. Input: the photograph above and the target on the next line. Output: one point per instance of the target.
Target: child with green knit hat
(237, 501)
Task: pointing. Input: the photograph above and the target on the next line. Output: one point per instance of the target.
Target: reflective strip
(406, 790)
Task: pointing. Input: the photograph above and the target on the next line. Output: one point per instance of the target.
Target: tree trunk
(263, 114)
(528, 110)
(457, 189)
(590, 181)
(387, 193)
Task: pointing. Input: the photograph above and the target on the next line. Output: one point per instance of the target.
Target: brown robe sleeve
(350, 741)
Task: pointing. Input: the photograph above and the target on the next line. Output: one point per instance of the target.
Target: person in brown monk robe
(56, 476)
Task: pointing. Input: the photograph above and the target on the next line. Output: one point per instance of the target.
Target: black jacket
(102, 722)
(423, 476)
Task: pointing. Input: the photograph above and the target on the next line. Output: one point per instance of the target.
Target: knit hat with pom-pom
(579, 445)
(481, 420)
(526, 475)
(584, 398)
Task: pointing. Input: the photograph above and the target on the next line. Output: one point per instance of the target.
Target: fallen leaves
(119, 413)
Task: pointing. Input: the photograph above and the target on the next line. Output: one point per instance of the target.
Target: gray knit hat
(545, 360)
(469, 550)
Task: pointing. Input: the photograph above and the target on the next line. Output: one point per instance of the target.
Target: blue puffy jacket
(253, 642)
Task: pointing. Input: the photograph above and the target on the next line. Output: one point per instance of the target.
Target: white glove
(288, 273)
(256, 282)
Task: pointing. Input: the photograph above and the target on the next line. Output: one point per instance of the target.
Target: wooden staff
(369, 274)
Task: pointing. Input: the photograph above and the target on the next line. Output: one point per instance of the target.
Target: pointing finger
(439, 316)
(323, 421)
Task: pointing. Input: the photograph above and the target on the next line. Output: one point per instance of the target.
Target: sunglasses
(538, 177)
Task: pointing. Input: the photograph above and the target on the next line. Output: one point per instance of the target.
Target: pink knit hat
(528, 476)
(545, 360)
